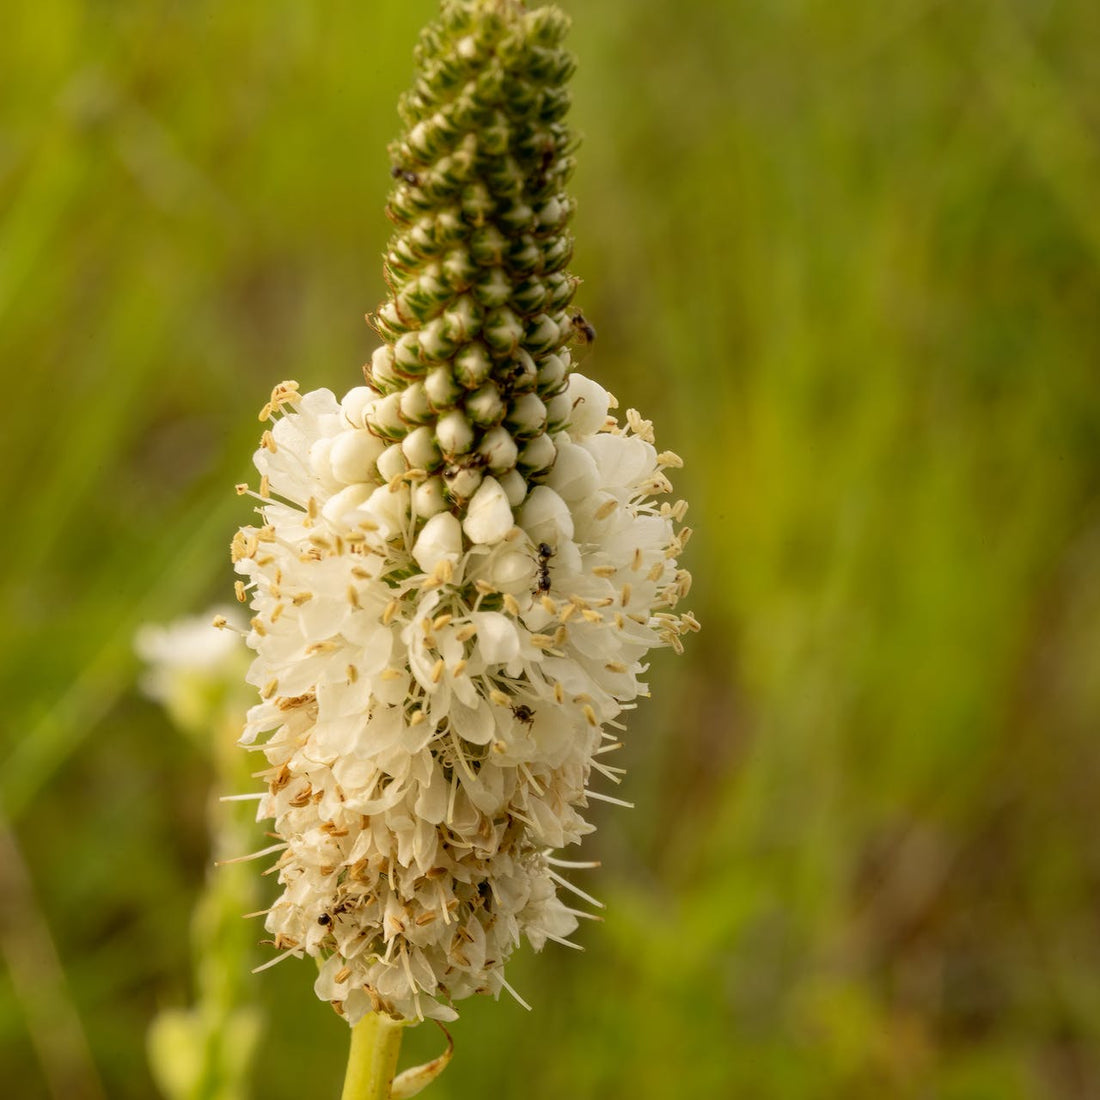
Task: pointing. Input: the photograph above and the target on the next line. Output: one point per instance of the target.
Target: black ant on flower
(545, 553)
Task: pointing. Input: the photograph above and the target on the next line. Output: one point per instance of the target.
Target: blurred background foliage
(847, 255)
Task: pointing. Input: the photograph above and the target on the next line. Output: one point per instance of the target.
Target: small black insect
(524, 714)
(324, 918)
(411, 178)
(583, 332)
(546, 552)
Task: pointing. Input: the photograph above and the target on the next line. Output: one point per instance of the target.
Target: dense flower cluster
(435, 694)
(461, 566)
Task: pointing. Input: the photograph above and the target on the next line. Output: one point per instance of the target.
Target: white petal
(489, 516)
(545, 516)
(322, 617)
(326, 987)
(512, 571)
(454, 433)
(354, 455)
(574, 475)
(356, 403)
(499, 449)
(388, 509)
(345, 501)
(318, 403)
(429, 498)
(419, 448)
(319, 461)
(623, 460)
(431, 803)
(441, 539)
(373, 643)
(497, 637)
(514, 485)
(590, 404)
(391, 462)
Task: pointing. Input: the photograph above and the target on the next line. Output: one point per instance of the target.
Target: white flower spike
(460, 568)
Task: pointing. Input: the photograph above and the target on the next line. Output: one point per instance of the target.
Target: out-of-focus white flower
(191, 663)
(437, 690)
(195, 668)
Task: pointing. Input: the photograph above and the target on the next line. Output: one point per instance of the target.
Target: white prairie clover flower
(192, 665)
(460, 567)
(195, 670)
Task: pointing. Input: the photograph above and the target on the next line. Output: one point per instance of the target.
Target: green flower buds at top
(477, 322)
(460, 567)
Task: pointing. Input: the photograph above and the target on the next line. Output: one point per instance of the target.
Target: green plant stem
(372, 1060)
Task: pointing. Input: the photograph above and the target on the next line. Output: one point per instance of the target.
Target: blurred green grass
(846, 255)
